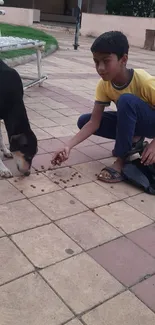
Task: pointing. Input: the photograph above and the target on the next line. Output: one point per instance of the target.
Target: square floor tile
(58, 131)
(108, 145)
(123, 217)
(63, 120)
(145, 238)
(90, 169)
(30, 301)
(81, 282)
(8, 192)
(58, 205)
(88, 230)
(77, 157)
(13, 263)
(51, 145)
(145, 291)
(108, 161)
(20, 215)
(95, 152)
(84, 143)
(74, 322)
(96, 139)
(125, 309)
(92, 195)
(42, 162)
(144, 203)
(69, 112)
(40, 150)
(41, 134)
(42, 122)
(34, 185)
(124, 260)
(49, 243)
(2, 233)
(122, 189)
(67, 177)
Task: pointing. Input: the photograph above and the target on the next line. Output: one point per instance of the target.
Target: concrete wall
(36, 16)
(133, 27)
(19, 16)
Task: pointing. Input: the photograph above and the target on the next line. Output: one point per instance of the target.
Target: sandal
(115, 177)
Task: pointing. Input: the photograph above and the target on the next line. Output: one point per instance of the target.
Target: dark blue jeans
(134, 117)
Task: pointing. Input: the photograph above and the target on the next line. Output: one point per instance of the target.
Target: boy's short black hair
(112, 42)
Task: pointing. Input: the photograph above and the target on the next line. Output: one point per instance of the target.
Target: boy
(133, 92)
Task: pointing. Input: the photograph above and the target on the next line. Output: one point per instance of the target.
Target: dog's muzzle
(22, 164)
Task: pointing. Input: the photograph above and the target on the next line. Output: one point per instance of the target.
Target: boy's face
(108, 66)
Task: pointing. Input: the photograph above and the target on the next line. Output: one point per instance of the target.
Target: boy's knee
(126, 102)
(82, 120)
(124, 99)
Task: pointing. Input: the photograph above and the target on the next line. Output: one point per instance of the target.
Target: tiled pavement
(73, 250)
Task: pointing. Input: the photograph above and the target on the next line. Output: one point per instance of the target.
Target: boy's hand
(61, 156)
(148, 156)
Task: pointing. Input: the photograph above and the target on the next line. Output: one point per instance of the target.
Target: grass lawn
(24, 32)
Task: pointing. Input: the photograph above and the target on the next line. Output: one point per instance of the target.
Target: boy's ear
(124, 59)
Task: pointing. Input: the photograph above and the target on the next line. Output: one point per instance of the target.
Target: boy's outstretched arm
(88, 129)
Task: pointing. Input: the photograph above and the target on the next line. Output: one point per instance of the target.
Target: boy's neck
(123, 78)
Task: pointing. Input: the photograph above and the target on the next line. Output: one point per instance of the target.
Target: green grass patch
(24, 32)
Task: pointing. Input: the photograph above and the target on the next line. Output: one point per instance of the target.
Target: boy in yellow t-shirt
(133, 92)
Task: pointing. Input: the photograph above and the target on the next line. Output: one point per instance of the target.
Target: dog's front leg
(3, 147)
(4, 171)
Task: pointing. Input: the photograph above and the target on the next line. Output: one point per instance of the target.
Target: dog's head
(23, 147)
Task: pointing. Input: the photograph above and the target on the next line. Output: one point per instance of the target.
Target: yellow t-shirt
(141, 84)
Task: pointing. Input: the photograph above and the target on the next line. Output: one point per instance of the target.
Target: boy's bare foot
(112, 174)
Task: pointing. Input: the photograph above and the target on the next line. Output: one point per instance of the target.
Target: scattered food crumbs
(57, 183)
(67, 180)
(15, 180)
(69, 251)
(65, 187)
(64, 182)
(72, 202)
(111, 186)
(21, 191)
(33, 186)
(96, 175)
(142, 200)
(79, 176)
(43, 190)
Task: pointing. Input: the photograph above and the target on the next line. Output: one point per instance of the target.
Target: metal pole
(78, 24)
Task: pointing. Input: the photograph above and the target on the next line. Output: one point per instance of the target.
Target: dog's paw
(5, 172)
(7, 153)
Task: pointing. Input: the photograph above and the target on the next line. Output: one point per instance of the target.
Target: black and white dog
(22, 140)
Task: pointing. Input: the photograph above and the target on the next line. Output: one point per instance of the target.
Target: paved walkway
(73, 250)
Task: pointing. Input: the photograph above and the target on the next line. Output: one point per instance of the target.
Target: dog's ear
(19, 140)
